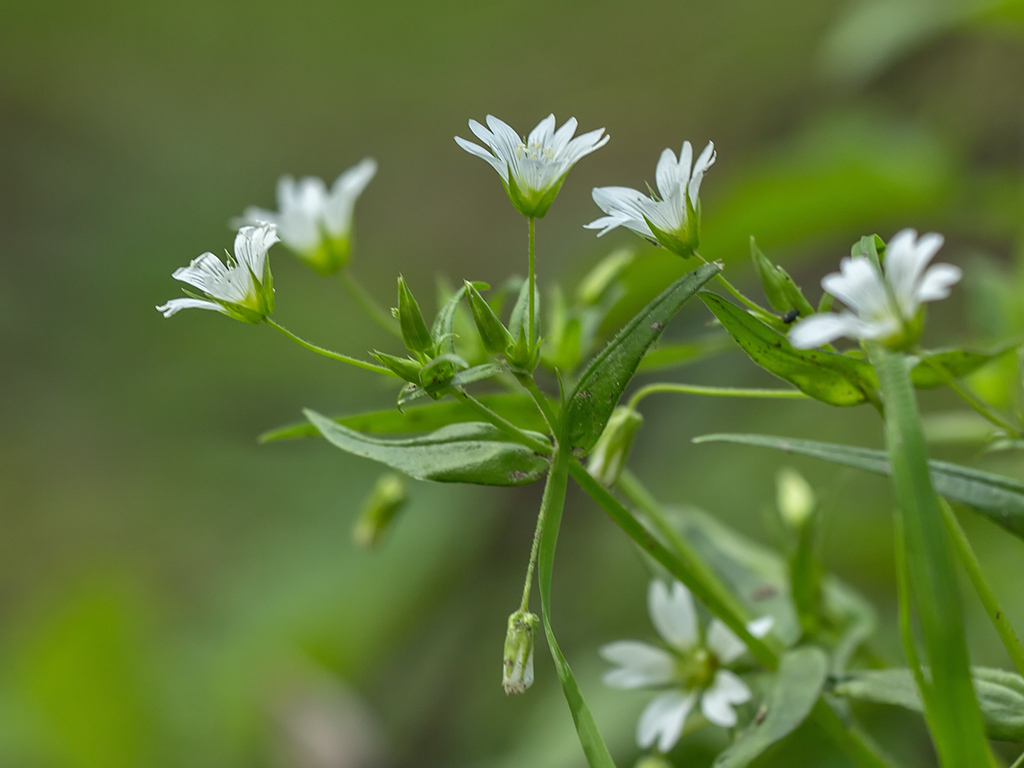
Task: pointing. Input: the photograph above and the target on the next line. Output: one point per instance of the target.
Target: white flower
(693, 668)
(316, 223)
(242, 288)
(532, 170)
(885, 306)
(673, 219)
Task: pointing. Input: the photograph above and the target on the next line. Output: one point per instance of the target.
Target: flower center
(535, 150)
(696, 668)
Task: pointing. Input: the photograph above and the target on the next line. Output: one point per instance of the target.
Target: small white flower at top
(314, 223)
(691, 667)
(532, 170)
(886, 306)
(673, 219)
(242, 288)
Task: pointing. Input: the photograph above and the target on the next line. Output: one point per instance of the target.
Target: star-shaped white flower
(885, 306)
(691, 667)
(314, 223)
(671, 219)
(242, 288)
(532, 170)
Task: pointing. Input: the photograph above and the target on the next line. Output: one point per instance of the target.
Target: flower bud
(385, 501)
(795, 498)
(414, 328)
(608, 458)
(517, 670)
(495, 337)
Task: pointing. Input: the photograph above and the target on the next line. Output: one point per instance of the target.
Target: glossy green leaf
(794, 691)
(607, 375)
(519, 409)
(1000, 695)
(552, 505)
(997, 497)
(472, 452)
(827, 376)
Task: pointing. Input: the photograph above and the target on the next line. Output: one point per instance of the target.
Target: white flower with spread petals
(242, 288)
(692, 668)
(532, 170)
(314, 223)
(886, 307)
(671, 219)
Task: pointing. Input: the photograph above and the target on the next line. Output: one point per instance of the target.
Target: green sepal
(405, 367)
(236, 311)
(330, 255)
(872, 247)
(460, 379)
(473, 452)
(443, 329)
(536, 205)
(519, 320)
(415, 335)
(436, 375)
(682, 243)
(493, 333)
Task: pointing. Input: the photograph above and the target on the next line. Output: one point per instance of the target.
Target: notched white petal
(640, 665)
(673, 614)
(717, 702)
(821, 329)
(174, 306)
(663, 719)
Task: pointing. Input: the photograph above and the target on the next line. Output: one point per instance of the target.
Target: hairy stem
(694, 389)
(328, 353)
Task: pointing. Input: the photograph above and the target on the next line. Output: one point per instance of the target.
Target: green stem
(951, 707)
(503, 424)
(328, 353)
(734, 290)
(906, 621)
(694, 389)
(368, 304)
(975, 403)
(542, 402)
(970, 563)
(708, 589)
(532, 288)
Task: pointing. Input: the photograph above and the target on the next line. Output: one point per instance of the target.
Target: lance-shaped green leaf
(410, 317)
(827, 376)
(794, 691)
(1000, 695)
(610, 371)
(473, 452)
(997, 497)
(519, 409)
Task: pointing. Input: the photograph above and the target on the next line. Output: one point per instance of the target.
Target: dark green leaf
(471, 452)
(789, 701)
(607, 375)
(956, 362)
(827, 376)
(995, 496)
(1000, 695)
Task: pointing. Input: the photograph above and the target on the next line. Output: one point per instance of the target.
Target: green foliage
(608, 374)
(792, 694)
(999, 498)
(469, 452)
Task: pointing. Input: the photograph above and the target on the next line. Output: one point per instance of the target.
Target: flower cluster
(691, 667)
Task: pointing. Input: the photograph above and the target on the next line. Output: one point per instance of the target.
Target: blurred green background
(173, 594)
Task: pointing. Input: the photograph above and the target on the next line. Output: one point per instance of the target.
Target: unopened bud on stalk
(795, 498)
(517, 670)
(385, 501)
(414, 328)
(608, 458)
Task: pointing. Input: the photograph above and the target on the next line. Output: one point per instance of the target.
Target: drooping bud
(517, 669)
(795, 498)
(384, 503)
(414, 328)
(609, 455)
(493, 333)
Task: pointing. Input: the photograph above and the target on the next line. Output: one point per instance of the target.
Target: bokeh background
(173, 594)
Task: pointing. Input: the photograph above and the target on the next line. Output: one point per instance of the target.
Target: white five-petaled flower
(242, 288)
(673, 218)
(692, 668)
(532, 170)
(885, 306)
(316, 223)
